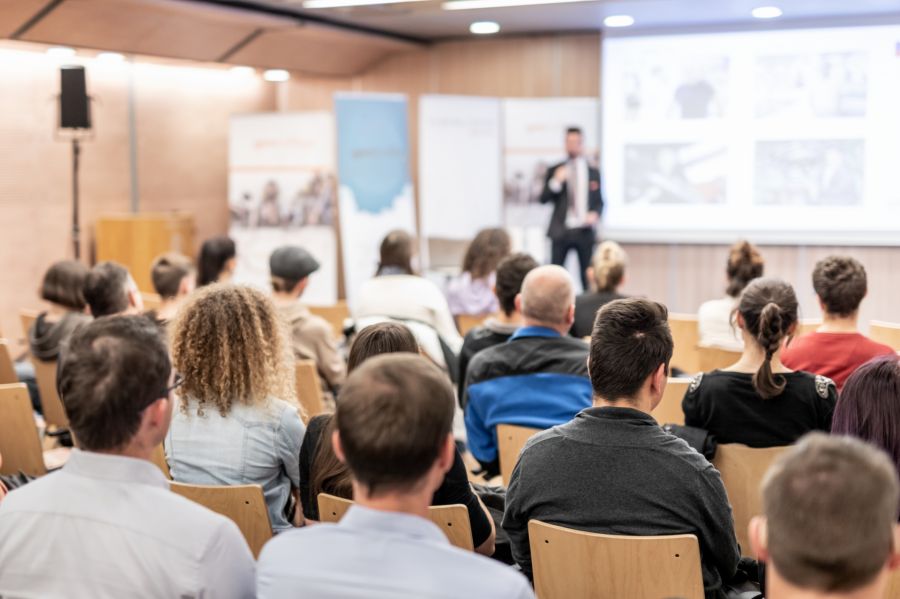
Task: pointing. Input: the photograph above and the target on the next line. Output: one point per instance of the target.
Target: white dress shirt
(374, 554)
(714, 322)
(108, 526)
(577, 183)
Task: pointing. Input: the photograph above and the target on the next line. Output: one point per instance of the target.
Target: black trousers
(582, 241)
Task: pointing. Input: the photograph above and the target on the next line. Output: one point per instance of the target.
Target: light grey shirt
(108, 526)
(374, 554)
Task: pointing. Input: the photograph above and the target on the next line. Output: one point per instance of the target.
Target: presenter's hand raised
(592, 218)
(561, 174)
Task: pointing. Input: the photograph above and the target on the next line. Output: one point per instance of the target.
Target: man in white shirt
(393, 430)
(106, 524)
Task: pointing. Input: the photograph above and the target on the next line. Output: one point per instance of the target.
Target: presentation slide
(789, 136)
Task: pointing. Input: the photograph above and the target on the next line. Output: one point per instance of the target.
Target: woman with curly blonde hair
(236, 421)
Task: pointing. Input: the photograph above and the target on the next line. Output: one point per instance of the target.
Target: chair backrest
(686, 337)
(510, 441)
(467, 322)
(20, 444)
(159, 458)
(807, 325)
(453, 520)
(742, 469)
(309, 388)
(572, 564)
(27, 317)
(710, 358)
(7, 369)
(152, 301)
(669, 409)
(244, 504)
(335, 315)
(885, 332)
(51, 405)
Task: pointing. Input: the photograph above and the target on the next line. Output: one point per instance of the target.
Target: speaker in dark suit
(573, 187)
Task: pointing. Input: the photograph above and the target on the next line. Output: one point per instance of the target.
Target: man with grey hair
(538, 378)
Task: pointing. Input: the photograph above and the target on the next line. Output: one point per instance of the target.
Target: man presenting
(573, 187)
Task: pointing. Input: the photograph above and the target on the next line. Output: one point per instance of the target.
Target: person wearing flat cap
(310, 335)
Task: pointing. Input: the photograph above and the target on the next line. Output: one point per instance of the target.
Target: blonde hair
(609, 265)
(229, 346)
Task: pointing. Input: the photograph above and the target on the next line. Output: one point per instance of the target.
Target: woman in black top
(757, 401)
(607, 271)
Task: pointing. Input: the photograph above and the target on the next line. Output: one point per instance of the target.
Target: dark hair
(869, 405)
(510, 273)
(64, 284)
(214, 254)
(488, 248)
(393, 416)
(769, 309)
(574, 130)
(396, 252)
(631, 338)
(112, 370)
(167, 273)
(745, 263)
(840, 282)
(106, 289)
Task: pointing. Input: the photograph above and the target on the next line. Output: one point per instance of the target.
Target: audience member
(715, 317)
(311, 337)
(217, 261)
(233, 423)
(607, 272)
(538, 378)
(757, 401)
(498, 328)
(322, 472)
(3, 489)
(109, 289)
(837, 347)
(394, 431)
(174, 280)
(828, 527)
(613, 469)
(106, 525)
(472, 291)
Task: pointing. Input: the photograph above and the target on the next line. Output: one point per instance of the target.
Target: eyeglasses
(179, 381)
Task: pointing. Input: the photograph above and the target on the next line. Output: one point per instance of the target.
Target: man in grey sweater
(612, 469)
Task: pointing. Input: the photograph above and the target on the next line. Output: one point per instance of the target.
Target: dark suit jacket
(560, 200)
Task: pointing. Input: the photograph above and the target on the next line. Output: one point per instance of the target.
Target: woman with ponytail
(716, 327)
(606, 272)
(758, 401)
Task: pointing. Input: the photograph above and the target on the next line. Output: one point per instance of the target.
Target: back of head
(63, 284)
(381, 338)
(167, 273)
(841, 284)
(631, 338)
(229, 346)
(830, 505)
(769, 309)
(393, 416)
(112, 370)
(547, 295)
(106, 289)
(510, 273)
(485, 252)
(745, 263)
(214, 255)
(396, 253)
(608, 265)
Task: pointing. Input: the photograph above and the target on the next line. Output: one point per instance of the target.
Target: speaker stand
(76, 229)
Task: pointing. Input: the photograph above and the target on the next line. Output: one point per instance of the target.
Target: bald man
(538, 378)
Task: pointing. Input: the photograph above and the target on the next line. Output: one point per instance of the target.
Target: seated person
(714, 319)
(109, 289)
(393, 430)
(236, 421)
(322, 472)
(498, 328)
(613, 469)
(607, 272)
(538, 378)
(472, 291)
(758, 401)
(311, 337)
(106, 524)
(217, 261)
(815, 536)
(174, 280)
(836, 348)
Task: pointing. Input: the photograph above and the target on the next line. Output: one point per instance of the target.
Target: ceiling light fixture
(350, 3)
(484, 27)
(766, 12)
(110, 57)
(60, 52)
(276, 75)
(242, 70)
(475, 4)
(618, 21)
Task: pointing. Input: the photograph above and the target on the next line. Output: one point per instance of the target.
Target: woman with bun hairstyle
(745, 263)
(757, 401)
(606, 273)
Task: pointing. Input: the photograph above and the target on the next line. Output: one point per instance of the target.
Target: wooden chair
(51, 404)
(244, 504)
(467, 322)
(335, 315)
(151, 301)
(807, 325)
(7, 369)
(20, 444)
(159, 458)
(885, 332)
(27, 318)
(309, 388)
(453, 520)
(686, 336)
(510, 441)
(742, 469)
(711, 358)
(572, 564)
(669, 409)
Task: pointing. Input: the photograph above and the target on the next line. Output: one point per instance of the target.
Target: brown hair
(229, 346)
(485, 252)
(64, 284)
(841, 284)
(214, 255)
(106, 289)
(769, 309)
(393, 416)
(396, 251)
(609, 266)
(167, 273)
(830, 505)
(745, 263)
(510, 273)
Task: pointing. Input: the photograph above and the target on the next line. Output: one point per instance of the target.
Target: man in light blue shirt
(394, 431)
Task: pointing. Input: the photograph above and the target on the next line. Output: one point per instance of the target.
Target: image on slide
(683, 88)
(287, 201)
(831, 85)
(679, 173)
(810, 172)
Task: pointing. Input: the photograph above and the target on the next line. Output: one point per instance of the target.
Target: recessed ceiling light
(484, 27)
(110, 57)
(350, 3)
(475, 4)
(766, 12)
(618, 21)
(276, 75)
(61, 52)
(242, 70)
